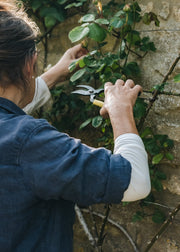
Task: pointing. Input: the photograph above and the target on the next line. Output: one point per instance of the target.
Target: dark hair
(17, 44)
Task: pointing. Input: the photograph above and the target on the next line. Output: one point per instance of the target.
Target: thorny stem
(156, 93)
(163, 227)
(162, 93)
(101, 236)
(137, 54)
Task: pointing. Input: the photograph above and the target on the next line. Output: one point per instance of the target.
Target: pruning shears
(88, 90)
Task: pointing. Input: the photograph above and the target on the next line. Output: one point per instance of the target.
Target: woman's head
(17, 45)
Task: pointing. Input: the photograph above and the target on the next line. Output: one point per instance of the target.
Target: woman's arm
(57, 73)
(60, 71)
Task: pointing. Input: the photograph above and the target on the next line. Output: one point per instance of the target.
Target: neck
(15, 95)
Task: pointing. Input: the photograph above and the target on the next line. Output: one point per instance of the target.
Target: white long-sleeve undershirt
(131, 147)
(41, 96)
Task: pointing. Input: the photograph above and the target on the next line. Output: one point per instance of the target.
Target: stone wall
(164, 117)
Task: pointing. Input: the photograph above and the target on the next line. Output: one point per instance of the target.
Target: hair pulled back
(17, 43)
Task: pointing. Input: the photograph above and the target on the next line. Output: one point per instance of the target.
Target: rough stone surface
(165, 11)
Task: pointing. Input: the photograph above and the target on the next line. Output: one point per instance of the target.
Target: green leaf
(120, 13)
(139, 108)
(151, 146)
(78, 33)
(90, 61)
(149, 17)
(97, 121)
(117, 22)
(131, 69)
(160, 175)
(146, 132)
(96, 32)
(73, 5)
(52, 13)
(87, 18)
(169, 143)
(156, 183)
(35, 5)
(84, 124)
(177, 78)
(133, 37)
(48, 11)
(77, 75)
(169, 156)
(72, 66)
(156, 159)
(61, 1)
(102, 21)
(50, 21)
(158, 217)
(81, 63)
(117, 75)
(138, 216)
(100, 68)
(136, 7)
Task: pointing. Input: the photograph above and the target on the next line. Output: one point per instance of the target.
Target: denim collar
(10, 106)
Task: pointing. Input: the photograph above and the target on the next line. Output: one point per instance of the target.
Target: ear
(30, 65)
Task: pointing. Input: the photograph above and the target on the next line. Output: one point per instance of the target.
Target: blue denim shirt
(43, 173)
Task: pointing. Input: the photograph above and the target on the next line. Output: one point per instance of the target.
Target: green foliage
(138, 216)
(51, 12)
(140, 108)
(65, 106)
(158, 147)
(76, 4)
(101, 66)
(158, 217)
(149, 17)
(177, 78)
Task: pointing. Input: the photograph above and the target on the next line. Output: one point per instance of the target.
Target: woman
(43, 172)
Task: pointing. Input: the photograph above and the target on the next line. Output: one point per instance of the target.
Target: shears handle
(98, 103)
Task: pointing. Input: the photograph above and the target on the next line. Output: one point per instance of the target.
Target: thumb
(103, 112)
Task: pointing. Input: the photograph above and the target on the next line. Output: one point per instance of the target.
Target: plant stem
(162, 93)
(101, 236)
(163, 227)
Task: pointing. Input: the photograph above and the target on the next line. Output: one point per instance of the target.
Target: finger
(119, 82)
(76, 48)
(107, 85)
(138, 89)
(78, 51)
(130, 83)
(104, 112)
(80, 54)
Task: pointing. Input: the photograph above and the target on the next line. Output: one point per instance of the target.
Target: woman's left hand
(60, 71)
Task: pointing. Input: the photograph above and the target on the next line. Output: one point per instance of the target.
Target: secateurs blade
(88, 90)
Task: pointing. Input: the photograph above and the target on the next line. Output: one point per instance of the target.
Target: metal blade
(82, 92)
(87, 87)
